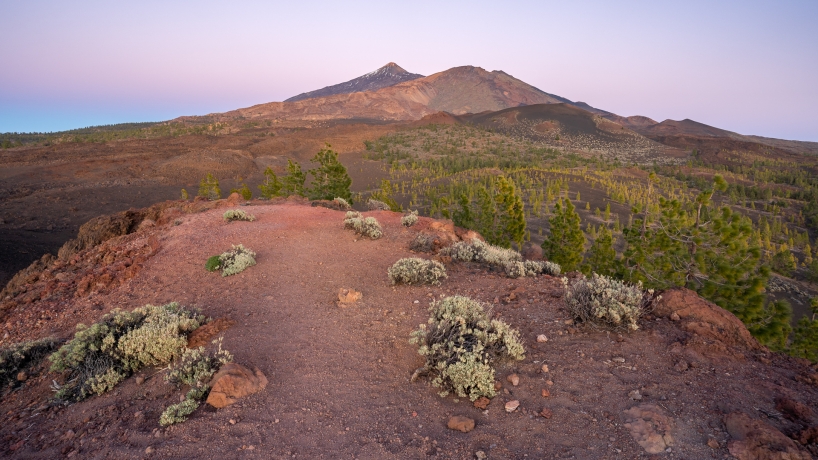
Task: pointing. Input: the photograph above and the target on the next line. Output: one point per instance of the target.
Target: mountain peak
(388, 75)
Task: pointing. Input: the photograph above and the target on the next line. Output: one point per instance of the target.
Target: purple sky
(746, 66)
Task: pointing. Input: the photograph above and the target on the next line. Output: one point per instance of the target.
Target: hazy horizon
(747, 67)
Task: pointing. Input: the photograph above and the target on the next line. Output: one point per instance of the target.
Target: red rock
(511, 406)
(234, 381)
(793, 410)
(514, 379)
(545, 413)
(347, 297)
(545, 393)
(460, 423)
(755, 439)
(482, 402)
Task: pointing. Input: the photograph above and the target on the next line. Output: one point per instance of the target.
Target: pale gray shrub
(607, 302)
(237, 214)
(531, 268)
(376, 205)
(509, 260)
(461, 344)
(236, 260)
(366, 226)
(414, 270)
(409, 219)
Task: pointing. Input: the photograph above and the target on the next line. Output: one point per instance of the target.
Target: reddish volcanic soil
(339, 378)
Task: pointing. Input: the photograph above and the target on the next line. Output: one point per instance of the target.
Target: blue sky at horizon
(748, 66)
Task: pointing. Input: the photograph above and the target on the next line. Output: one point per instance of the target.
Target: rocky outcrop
(234, 381)
(699, 316)
(757, 440)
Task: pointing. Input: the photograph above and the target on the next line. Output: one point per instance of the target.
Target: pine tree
(711, 251)
(293, 182)
(463, 217)
(511, 218)
(566, 243)
(385, 194)
(271, 186)
(486, 214)
(784, 261)
(330, 179)
(209, 188)
(601, 258)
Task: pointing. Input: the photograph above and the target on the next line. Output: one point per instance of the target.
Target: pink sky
(748, 67)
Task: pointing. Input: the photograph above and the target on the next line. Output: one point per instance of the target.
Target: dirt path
(339, 377)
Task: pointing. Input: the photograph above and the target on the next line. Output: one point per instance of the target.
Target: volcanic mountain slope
(690, 380)
(388, 75)
(567, 126)
(458, 90)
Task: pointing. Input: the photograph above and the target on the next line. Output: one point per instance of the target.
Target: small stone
(545, 413)
(712, 443)
(545, 393)
(460, 423)
(681, 366)
(68, 434)
(149, 450)
(416, 301)
(232, 421)
(569, 321)
(348, 297)
(482, 402)
(480, 455)
(619, 359)
(549, 383)
(674, 316)
(138, 414)
(511, 406)
(497, 386)
(140, 379)
(545, 368)
(514, 379)
(542, 338)
(22, 376)
(635, 395)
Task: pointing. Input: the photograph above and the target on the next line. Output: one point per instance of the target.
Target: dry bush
(409, 219)
(237, 214)
(494, 256)
(236, 260)
(21, 356)
(366, 226)
(607, 302)
(414, 270)
(461, 344)
(122, 342)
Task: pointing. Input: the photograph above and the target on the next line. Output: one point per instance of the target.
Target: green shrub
(21, 356)
(607, 302)
(237, 214)
(495, 256)
(461, 344)
(178, 413)
(236, 260)
(414, 270)
(209, 188)
(368, 226)
(213, 263)
(409, 219)
(122, 342)
(185, 195)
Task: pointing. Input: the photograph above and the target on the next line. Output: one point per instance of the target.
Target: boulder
(460, 423)
(704, 318)
(650, 427)
(234, 381)
(757, 440)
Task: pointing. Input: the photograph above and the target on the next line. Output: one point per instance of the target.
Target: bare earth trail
(339, 377)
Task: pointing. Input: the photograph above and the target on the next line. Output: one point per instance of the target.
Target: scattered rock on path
(482, 402)
(460, 423)
(514, 379)
(511, 406)
(542, 338)
(348, 297)
(545, 413)
(232, 382)
(650, 427)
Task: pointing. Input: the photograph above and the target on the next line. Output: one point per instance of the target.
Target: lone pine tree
(566, 242)
(330, 179)
(271, 186)
(293, 182)
(601, 257)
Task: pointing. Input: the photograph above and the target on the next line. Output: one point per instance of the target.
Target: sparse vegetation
(414, 270)
(178, 413)
(19, 357)
(366, 226)
(607, 302)
(209, 188)
(509, 260)
(237, 214)
(234, 261)
(121, 343)
(462, 344)
(409, 219)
